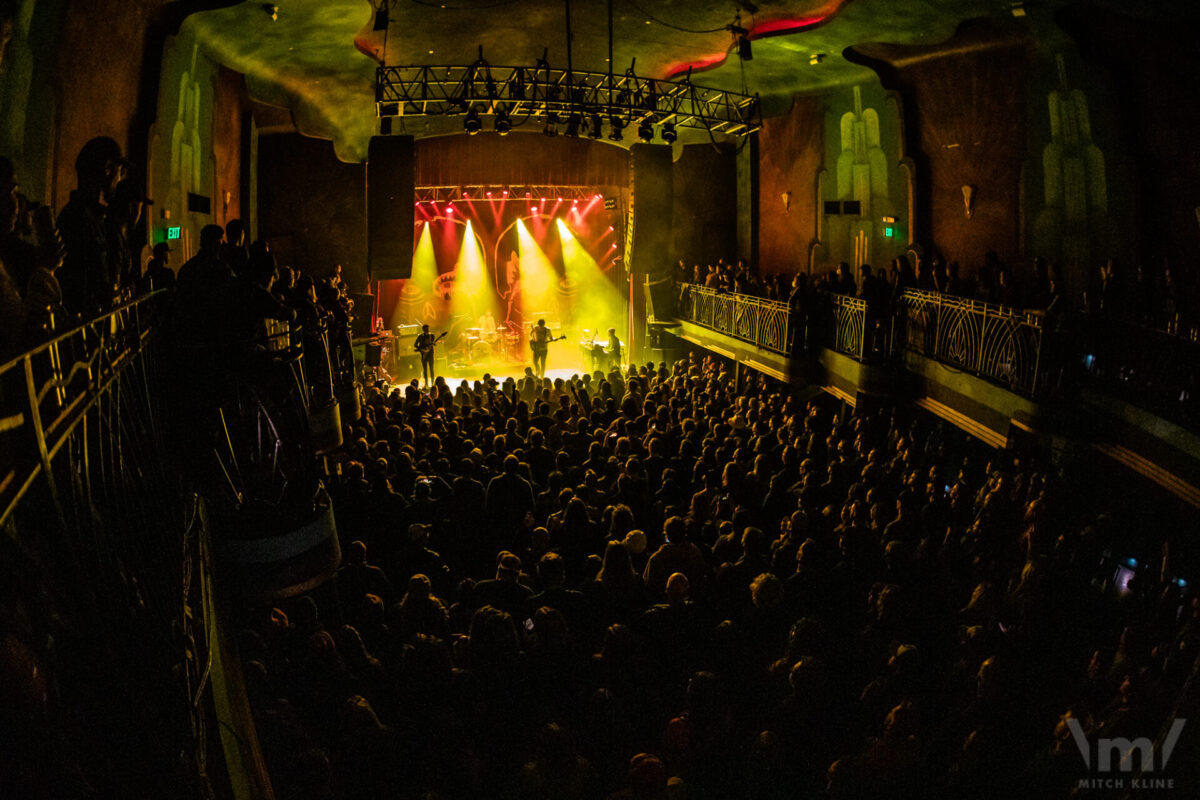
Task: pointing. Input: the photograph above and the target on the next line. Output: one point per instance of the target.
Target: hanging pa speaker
(390, 178)
(651, 207)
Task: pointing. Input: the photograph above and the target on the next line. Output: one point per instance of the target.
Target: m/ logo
(1124, 748)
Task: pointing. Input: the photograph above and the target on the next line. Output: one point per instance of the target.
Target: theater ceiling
(318, 57)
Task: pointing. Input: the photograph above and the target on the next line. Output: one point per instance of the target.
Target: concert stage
(487, 267)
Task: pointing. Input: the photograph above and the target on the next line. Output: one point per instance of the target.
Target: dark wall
(705, 217)
(791, 153)
(230, 104)
(1154, 72)
(967, 127)
(100, 47)
(312, 207)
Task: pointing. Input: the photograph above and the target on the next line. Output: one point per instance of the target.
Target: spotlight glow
(538, 278)
(598, 304)
(425, 269)
(473, 293)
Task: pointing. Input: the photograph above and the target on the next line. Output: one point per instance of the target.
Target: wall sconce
(787, 200)
(968, 192)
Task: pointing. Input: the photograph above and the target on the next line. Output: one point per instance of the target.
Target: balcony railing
(104, 536)
(1000, 343)
(846, 324)
(762, 323)
(996, 342)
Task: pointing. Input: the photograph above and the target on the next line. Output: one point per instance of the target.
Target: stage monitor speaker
(390, 177)
(408, 366)
(651, 208)
(373, 355)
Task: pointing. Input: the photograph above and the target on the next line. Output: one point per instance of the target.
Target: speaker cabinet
(651, 208)
(390, 177)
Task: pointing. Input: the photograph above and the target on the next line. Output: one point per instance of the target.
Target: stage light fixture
(551, 128)
(471, 124)
(744, 51)
(646, 130)
(618, 127)
(381, 18)
(668, 133)
(502, 122)
(594, 126)
(573, 122)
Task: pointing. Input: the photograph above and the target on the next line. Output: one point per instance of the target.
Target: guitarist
(424, 345)
(539, 341)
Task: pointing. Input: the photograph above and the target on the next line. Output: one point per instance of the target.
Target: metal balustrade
(101, 538)
(997, 342)
(762, 323)
(846, 323)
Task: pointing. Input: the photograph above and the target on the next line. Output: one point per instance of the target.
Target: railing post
(39, 435)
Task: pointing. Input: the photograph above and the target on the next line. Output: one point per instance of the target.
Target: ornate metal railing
(97, 545)
(846, 323)
(763, 323)
(996, 342)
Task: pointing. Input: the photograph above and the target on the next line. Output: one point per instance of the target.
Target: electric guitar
(427, 349)
(540, 348)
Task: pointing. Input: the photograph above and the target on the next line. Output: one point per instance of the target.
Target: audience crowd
(54, 274)
(659, 584)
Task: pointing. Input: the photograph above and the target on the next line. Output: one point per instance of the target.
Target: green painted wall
(862, 161)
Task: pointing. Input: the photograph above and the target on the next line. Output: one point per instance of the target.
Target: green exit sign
(888, 231)
(174, 233)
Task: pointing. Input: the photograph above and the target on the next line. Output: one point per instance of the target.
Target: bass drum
(481, 351)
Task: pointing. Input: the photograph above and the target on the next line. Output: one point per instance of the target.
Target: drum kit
(483, 345)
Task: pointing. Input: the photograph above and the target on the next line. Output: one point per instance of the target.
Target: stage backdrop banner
(651, 207)
(390, 180)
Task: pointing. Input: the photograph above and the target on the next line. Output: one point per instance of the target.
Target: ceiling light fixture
(618, 127)
(741, 38)
(502, 123)
(559, 97)
(668, 133)
(471, 124)
(646, 130)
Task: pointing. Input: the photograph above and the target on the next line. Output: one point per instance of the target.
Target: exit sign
(173, 233)
(888, 231)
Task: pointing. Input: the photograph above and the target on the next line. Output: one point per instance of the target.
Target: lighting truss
(536, 93)
(480, 193)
